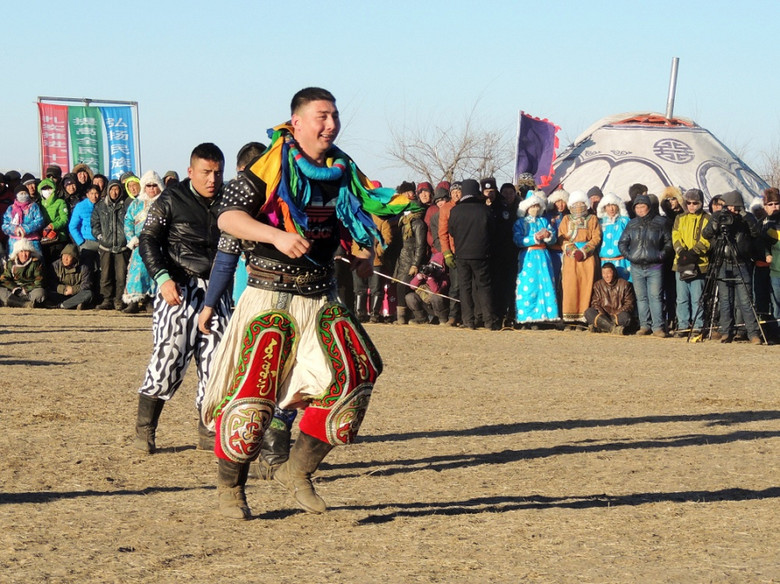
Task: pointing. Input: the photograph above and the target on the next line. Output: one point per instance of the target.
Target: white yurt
(648, 148)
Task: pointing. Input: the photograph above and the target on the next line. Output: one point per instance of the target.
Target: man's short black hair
(207, 151)
(309, 94)
(248, 153)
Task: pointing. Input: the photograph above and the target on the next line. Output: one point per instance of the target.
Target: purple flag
(536, 145)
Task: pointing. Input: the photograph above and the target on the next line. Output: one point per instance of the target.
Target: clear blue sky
(225, 71)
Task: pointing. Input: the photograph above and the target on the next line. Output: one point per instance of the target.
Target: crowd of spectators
(471, 255)
(514, 258)
(70, 240)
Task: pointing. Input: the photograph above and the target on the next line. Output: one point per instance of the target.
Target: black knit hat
(441, 193)
(733, 199)
(469, 188)
(595, 192)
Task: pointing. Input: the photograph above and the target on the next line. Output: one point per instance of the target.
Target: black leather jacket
(180, 233)
(646, 241)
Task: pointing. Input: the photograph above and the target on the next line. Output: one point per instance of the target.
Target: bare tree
(770, 167)
(452, 152)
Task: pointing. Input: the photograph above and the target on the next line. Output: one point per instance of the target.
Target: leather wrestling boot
(274, 451)
(231, 478)
(206, 437)
(305, 456)
(149, 410)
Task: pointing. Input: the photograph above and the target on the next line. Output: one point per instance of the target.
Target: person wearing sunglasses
(690, 262)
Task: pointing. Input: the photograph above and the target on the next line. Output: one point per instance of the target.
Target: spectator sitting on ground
(72, 284)
(612, 303)
(21, 284)
(424, 300)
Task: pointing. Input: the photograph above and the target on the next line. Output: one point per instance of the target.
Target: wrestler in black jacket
(180, 234)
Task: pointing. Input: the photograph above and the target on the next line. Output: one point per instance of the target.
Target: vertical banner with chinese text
(119, 135)
(86, 136)
(54, 135)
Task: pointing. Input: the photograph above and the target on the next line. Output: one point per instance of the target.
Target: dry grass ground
(485, 457)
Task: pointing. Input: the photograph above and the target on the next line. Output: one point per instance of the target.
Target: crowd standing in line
(512, 257)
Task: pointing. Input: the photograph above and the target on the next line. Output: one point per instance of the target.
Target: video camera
(724, 220)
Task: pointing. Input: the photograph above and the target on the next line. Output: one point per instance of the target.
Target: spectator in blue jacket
(80, 229)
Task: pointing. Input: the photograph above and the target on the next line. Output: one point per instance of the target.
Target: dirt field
(485, 458)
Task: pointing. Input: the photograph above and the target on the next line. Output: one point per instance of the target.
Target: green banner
(86, 137)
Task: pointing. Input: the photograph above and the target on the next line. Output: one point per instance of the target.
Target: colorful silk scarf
(287, 175)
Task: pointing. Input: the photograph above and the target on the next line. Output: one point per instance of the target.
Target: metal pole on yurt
(672, 89)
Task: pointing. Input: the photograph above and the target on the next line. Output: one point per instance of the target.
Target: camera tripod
(708, 303)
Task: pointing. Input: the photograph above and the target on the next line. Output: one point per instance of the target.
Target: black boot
(274, 451)
(603, 323)
(149, 410)
(15, 301)
(305, 456)
(376, 309)
(360, 307)
(231, 478)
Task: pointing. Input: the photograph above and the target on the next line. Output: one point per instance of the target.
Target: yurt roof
(648, 148)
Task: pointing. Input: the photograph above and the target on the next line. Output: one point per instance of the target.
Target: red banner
(54, 135)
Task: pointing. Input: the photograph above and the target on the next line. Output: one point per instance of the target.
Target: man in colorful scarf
(290, 344)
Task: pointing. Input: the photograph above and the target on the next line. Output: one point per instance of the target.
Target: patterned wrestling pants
(177, 340)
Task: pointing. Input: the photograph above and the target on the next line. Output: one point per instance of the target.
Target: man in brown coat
(612, 303)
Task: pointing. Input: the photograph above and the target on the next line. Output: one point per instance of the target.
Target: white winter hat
(24, 245)
(577, 197)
